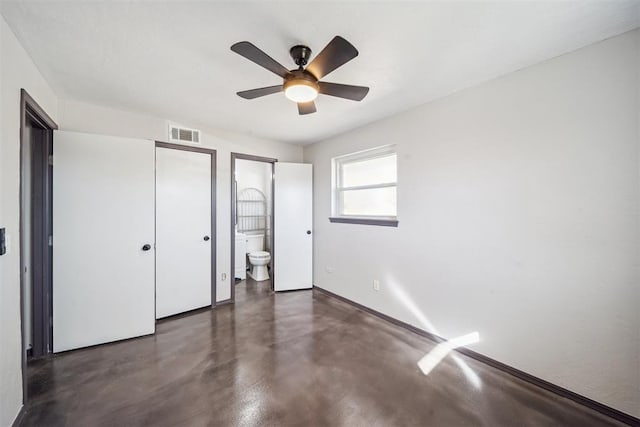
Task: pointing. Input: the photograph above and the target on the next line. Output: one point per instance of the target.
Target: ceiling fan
(303, 85)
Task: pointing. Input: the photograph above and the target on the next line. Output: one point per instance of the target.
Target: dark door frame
(214, 235)
(241, 156)
(30, 110)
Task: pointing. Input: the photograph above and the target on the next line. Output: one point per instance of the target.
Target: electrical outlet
(376, 285)
(328, 269)
(224, 276)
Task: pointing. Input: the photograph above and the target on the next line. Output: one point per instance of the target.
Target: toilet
(258, 257)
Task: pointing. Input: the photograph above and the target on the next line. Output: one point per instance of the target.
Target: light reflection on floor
(434, 357)
(439, 352)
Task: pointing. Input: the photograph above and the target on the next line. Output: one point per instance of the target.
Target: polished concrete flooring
(297, 358)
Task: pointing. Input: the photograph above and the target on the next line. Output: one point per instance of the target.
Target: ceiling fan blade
(306, 108)
(355, 93)
(252, 53)
(257, 93)
(338, 52)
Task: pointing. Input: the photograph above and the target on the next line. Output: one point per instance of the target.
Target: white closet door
(103, 215)
(293, 221)
(183, 231)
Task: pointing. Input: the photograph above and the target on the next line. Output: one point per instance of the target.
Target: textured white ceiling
(172, 59)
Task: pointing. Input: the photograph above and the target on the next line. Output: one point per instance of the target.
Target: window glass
(369, 202)
(380, 170)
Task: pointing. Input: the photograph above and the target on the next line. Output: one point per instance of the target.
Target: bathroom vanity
(241, 257)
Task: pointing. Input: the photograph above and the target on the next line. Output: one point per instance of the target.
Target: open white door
(183, 230)
(103, 232)
(293, 221)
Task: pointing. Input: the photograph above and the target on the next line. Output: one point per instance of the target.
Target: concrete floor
(297, 358)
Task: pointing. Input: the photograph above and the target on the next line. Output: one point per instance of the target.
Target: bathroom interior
(253, 185)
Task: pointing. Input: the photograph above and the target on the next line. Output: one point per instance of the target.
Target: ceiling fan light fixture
(301, 90)
(303, 85)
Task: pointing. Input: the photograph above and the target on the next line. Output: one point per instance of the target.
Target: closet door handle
(146, 247)
(308, 231)
(206, 238)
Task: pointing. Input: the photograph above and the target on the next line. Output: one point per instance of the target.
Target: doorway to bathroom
(252, 220)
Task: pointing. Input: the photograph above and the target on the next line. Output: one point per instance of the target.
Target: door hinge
(50, 160)
(50, 240)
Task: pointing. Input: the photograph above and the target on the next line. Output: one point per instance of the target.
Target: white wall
(518, 203)
(253, 174)
(16, 71)
(82, 117)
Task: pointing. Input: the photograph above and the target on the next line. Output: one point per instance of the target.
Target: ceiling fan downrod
(300, 55)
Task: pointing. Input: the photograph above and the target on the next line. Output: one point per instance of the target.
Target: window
(364, 187)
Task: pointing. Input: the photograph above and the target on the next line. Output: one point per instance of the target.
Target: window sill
(365, 221)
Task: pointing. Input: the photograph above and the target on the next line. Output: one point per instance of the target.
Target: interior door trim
(232, 279)
(30, 109)
(214, 241)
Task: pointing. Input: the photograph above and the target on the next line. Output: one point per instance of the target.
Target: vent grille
(184, 134)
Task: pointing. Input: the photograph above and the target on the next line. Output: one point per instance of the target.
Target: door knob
(206, 238)
(146, 247)
(308, 231)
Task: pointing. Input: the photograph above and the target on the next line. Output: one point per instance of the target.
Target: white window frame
(336, 187)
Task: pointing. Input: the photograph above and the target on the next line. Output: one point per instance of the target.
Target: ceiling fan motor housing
(301, 77)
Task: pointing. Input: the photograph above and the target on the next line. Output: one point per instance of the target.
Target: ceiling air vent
(183, 134)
